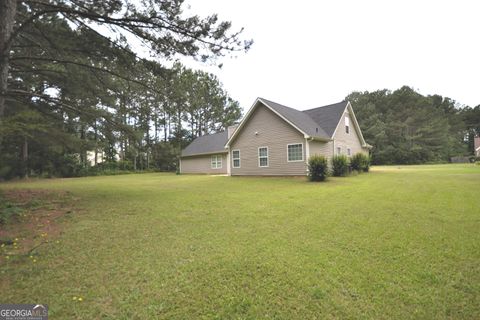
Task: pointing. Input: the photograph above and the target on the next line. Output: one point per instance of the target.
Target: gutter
(203, 154)
(310, 138)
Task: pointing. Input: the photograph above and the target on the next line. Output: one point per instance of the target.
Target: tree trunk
(25, 157)
(96, 142)
(8, 9)
(83, 151)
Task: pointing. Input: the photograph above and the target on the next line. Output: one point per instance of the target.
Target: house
(476, 146)
(273, 139)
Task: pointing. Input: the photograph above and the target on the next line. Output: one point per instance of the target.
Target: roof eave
(322, 139)
(203, 153)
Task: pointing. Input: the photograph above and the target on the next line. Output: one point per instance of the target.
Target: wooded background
(71, 85)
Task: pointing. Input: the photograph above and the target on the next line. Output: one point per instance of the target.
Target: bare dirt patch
(36, 220)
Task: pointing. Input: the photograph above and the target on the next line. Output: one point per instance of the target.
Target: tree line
(71, 86)
(406, 127)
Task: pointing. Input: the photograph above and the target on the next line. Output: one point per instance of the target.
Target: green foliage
(365, 163)
(360, 162)
(73, 92)
(317, 168)
(406, 127)
(8, 211)
(340, 165)
(356, 162)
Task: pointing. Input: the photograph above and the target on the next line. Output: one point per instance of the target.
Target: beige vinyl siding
(347, 140)
(321, 148)
(202, 164)
(274, 133)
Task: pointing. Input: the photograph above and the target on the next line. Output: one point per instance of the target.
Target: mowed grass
(397, 243)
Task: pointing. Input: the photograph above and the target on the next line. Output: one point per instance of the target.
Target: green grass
(399, 242)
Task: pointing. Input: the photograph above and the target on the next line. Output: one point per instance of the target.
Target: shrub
(365, 165)
(340, 165)
(360, 162)
(356, 162)
(317, 168)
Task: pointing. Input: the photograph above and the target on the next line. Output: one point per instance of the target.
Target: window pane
(262, 152)
(263, 162)
(214, 162)
(295, 152)
(236, 163)
(236, 154)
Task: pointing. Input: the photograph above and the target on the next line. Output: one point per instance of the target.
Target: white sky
(311, 53)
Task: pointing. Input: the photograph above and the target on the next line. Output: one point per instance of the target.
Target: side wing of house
(347, 138)
(267, 145)
(206, 154)
(205, 164)
(320, 148)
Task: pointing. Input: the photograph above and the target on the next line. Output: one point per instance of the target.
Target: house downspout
(229, 164)
(307, 153)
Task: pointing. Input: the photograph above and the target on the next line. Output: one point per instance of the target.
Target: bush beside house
(360, 162)
(340, 165)
(317, 168)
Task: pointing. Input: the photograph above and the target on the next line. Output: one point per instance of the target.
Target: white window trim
(294, 144)
(216, 162)
(258, 154)
(233, 159)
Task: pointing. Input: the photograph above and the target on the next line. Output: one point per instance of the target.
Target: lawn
(397, 243)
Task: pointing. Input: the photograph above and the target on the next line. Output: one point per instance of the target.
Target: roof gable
(301, 120)
(328, 116)
(297, 119)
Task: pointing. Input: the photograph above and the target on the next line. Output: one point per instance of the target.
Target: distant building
(476, 146)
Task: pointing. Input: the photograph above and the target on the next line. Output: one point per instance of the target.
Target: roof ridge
(325, 106)
(260, 98)
(300, 120)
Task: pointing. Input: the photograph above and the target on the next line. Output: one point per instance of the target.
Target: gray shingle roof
(318, 122)
(328, 116)
(302, 120)
(212, 143)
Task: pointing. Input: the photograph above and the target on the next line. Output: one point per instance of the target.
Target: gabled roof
(328, 116)
(318, 123)
(207, 144)
(300, 119)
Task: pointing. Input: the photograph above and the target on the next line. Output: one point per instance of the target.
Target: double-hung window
(263, 157)
(295, 152)
(236, 158)
(216, 162)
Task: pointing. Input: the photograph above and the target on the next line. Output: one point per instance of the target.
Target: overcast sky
(311, 53)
